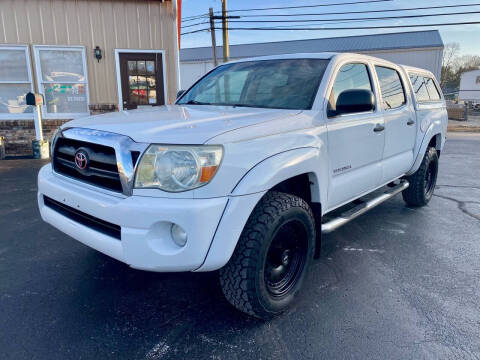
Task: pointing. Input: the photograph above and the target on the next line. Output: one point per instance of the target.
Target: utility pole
(226, 48)
(212, 32)
(224, 18)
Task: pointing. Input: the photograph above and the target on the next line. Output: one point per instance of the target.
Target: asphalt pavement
(396, 283)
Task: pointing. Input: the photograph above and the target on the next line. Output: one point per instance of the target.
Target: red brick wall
(19, 134)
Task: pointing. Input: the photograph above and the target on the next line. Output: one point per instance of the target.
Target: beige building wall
(109, 24)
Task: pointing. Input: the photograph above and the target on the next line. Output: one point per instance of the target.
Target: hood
(179, 124)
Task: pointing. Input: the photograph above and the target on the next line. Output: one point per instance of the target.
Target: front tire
(272, 257)
(423, 181)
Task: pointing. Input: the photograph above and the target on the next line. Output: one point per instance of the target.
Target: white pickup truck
(247, 170)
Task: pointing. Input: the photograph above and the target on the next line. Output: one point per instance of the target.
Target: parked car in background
(246, 171)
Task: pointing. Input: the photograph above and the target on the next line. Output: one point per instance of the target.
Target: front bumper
(145, 223)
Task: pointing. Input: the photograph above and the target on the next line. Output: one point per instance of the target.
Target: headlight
(178, 168)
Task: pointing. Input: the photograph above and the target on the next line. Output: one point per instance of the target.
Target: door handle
(378, 128)
(410, 122)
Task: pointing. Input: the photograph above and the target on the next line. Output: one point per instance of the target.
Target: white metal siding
(469, 87)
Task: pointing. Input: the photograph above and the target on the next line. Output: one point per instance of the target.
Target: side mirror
(355, 100)
(180, 93)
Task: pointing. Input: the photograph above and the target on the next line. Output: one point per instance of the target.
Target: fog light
(179, 235)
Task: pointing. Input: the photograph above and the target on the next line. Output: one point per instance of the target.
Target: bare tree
(449, 62)
(450, 53)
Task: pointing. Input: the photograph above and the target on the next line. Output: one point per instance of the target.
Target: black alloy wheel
(286, 258)
(423, 181)
(430, 179)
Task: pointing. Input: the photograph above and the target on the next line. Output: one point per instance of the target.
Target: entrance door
(142, 79)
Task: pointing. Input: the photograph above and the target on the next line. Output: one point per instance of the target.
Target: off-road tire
(243, 278)
(417, 194)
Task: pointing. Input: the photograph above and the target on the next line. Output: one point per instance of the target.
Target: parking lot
(397, 283)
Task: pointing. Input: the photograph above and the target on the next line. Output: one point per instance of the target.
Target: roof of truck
(418, 70)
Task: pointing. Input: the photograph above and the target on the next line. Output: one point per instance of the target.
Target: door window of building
(142, 79)
(15, 82)
(62, 79)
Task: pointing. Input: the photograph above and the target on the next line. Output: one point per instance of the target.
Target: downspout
(177, 9)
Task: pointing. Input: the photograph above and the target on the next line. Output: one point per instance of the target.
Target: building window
(15, 82)
(62, 79)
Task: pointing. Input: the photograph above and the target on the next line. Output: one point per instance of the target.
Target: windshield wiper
(195, 102)
(243, 105)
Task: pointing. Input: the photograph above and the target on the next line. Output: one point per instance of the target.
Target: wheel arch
(297, 170)
(434, 136)
(292, 169)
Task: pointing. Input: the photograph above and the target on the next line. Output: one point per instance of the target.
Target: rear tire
(422, 182)
(272, 257)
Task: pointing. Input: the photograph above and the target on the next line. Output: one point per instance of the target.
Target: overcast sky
(466, 35)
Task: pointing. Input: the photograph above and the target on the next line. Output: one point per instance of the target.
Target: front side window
(349, 77)
(15, 82)
(280, 84)
(62, 79)
(391, 87)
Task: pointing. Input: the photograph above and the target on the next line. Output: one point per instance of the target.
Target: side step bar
(363, 208)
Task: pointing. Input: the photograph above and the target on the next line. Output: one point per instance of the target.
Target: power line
(310, 6)
(344, 20)
(191, 25)
(344, 28)
(364, 11)
(335, 13)
(196, 17)
(362, 27)
(196, 31)
(356, 19)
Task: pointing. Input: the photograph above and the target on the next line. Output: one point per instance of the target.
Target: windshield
(279, 84)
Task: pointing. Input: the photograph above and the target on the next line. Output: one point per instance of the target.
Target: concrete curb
(463, 129)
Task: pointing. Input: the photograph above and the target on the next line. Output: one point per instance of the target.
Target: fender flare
(282, 166)
(435, 129)
(251, 188)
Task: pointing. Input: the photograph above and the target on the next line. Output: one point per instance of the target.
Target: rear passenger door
(355, 141)
(400, 123)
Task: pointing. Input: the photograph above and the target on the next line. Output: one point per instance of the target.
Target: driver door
(355, 141)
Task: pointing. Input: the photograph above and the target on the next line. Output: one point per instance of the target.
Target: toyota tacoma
(247, 170)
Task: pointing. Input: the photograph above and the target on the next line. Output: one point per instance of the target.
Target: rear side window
(432, 89)
(350, 76)
(419, 88)
(424, 88)
(391, 87)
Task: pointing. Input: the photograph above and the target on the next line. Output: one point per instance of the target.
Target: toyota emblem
(81, 159)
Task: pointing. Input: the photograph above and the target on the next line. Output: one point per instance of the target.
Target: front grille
(80, 217)
(101, 171)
